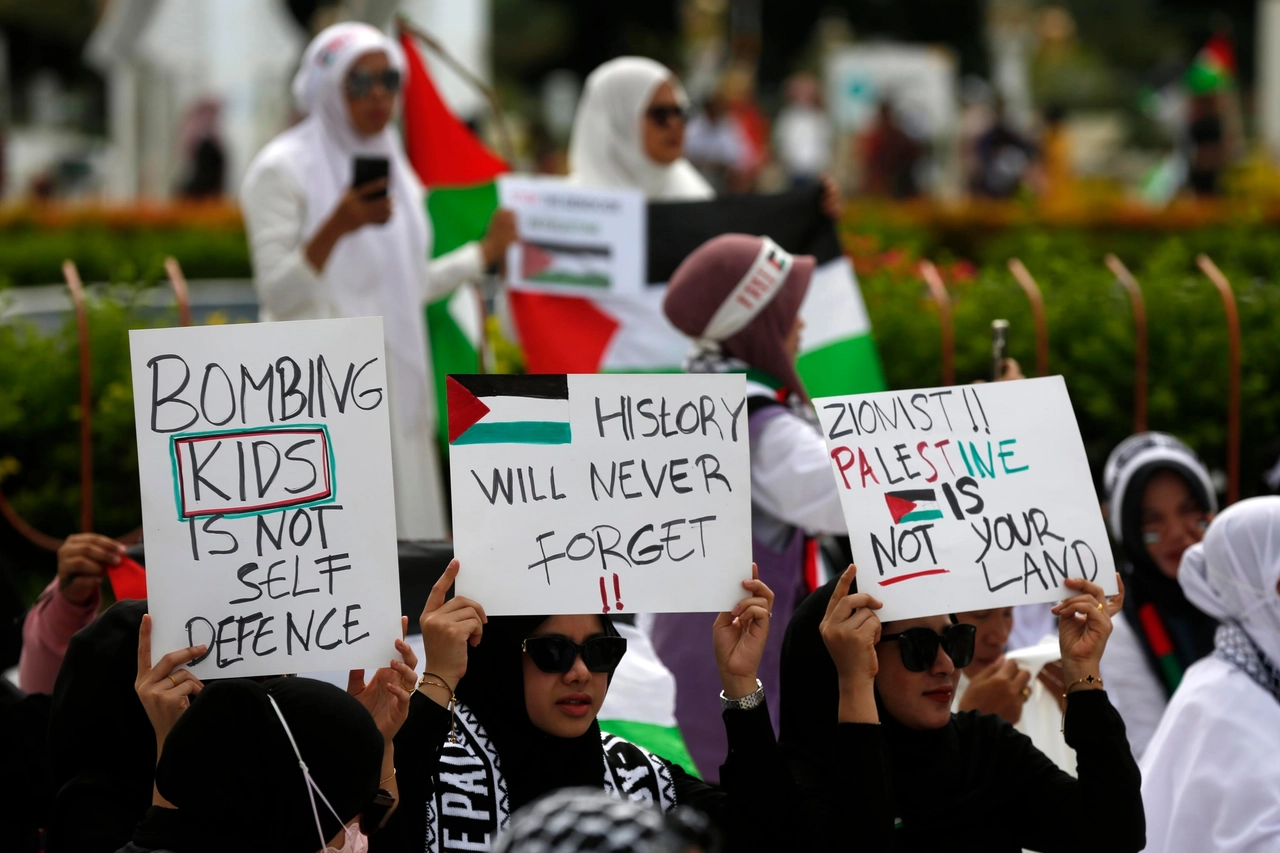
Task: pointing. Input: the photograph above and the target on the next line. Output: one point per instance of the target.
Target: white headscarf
(1232, 574)
(606, 148)
(379, 270)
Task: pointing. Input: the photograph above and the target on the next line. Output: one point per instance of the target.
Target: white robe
(1211, 774)
(1134, 688)
(288, 288)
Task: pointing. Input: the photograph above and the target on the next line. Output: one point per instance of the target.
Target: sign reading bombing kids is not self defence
(265, 463)
(600, 493)
(967, 497)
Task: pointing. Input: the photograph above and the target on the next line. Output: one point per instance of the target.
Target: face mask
(355, 841)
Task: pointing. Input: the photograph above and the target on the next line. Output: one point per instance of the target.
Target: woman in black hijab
(231, 769)
(1160, 501)
(866, 720)
(506, 712)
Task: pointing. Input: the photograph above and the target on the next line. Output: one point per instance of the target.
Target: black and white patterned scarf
(1237, 648)
(471, 804)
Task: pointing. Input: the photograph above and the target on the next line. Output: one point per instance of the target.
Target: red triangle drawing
(464, 408)
(534, 259)
(897, 506)
(561, 334)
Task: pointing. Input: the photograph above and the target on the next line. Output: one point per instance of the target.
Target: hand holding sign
(387, 696)
(448, 628)
(850, 631)
(165, 691)
(1084, 624)
(738, 637)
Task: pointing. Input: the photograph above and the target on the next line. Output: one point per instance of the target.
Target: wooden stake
(1210, 269)
(72, 276)
(1138, 306)
(180, 292)
(1032, 290)
(938, 289)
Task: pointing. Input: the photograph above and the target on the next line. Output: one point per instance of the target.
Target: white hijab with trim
(379, 270)
(606, 148)
(1232, 574)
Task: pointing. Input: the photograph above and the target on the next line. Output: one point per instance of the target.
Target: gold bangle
(1088, 679)
(453, 702)
(388, 779)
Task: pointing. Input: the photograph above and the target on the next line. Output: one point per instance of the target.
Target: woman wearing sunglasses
(324, 247)
(866, 718)
(506, 711)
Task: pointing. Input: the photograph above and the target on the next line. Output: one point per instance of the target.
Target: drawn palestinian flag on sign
(500, 409)
(578, 266)
(604, 331)
(912, 505)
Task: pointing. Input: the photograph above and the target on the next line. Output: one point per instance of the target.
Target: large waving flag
(601, 330)
(458, 172)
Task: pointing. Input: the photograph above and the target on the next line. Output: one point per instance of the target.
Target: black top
(977, 784)
(974, 784)
(751, 805)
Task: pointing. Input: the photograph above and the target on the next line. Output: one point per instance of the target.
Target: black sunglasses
(663, 114)
(360, 83)
(919, 646)
(558, 654)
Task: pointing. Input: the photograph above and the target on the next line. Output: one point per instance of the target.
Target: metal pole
(938, 290)
(1122, 274)
(1032, 290)
(1210, 269)
(72, 276)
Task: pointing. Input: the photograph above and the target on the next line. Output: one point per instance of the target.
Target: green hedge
(1089, 321)
(1091, 331)
(33, 255)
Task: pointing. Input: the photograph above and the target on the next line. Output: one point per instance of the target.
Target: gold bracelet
(453, 712)
(1088, 679)
(388, 779)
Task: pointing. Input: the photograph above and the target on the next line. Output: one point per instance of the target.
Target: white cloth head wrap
(1232, 574)
(379, 270)
(753, 292)
(606, 148)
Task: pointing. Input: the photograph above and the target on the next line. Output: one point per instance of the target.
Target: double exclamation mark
(617, 593)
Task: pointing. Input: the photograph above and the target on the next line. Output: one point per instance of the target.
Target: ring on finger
(1026, 693)
(174, 680)
(1100, 605)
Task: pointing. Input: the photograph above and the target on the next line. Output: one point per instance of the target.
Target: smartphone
(999, 347)
(366, 169)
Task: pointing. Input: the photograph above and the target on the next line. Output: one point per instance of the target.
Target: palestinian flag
(1214, 68)
(578, 266)
(618, 332)
(458, 172)
(912, 505)
(494, 409)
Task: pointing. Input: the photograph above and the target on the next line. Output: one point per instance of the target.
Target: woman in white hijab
(1211, 775)
(323, 248)
(629, 132)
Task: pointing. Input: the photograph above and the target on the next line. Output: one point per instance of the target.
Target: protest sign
(265, 462)
(599, 494)
(573, 239)
(966, 498)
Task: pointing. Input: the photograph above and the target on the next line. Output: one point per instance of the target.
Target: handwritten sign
(966, 498)
(576, 240)
(600, 494)
(265, 462)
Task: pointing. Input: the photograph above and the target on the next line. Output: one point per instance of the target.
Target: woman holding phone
(328, 245)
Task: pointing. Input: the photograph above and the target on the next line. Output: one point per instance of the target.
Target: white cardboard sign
(264, 457)
(600, 493)
(967, 497)
(580, 241)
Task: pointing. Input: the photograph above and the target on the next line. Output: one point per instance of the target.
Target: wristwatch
(746, 703)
